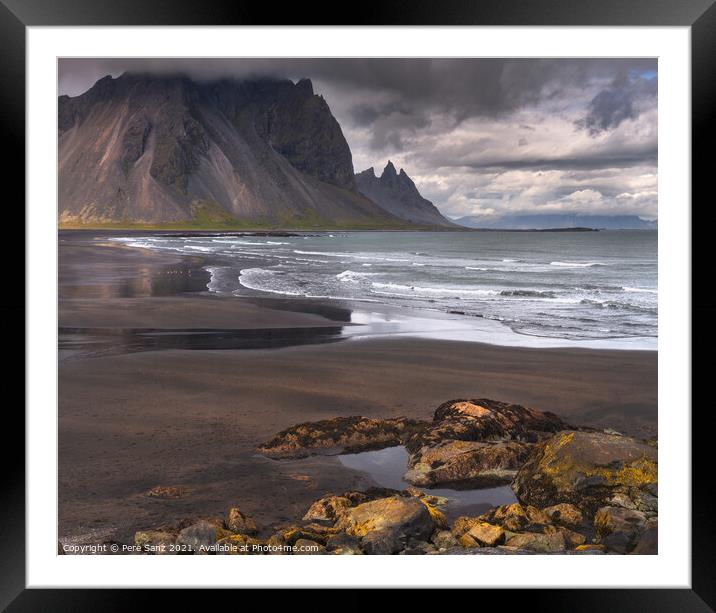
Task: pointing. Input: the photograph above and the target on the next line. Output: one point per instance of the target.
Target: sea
(581, 289)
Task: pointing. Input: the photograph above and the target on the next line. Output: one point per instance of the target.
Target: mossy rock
(585, 469)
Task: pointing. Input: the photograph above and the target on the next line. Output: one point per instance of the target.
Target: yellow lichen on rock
(437, 516)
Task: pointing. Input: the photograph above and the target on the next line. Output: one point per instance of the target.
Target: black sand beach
(137, 413)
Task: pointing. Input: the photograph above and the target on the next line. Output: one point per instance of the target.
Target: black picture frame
(700, 15)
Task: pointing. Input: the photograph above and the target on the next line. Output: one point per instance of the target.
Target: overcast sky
(478, 136)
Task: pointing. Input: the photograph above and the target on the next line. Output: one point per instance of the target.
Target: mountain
(397, 194)
(548, 221)
(170, 151)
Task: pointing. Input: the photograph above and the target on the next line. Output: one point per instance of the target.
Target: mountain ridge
(141, 150)
(396, 193)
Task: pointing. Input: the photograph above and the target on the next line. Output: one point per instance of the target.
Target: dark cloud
(607, 160)
(611, 106)
(464, 86)
(505, 130)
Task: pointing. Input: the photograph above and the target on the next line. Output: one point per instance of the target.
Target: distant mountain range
(550, 221)
(396, 193)
(172, 152)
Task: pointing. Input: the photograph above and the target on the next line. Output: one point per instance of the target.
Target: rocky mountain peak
(146, 148)
(305, 87)
(397, 193)
(389, 170)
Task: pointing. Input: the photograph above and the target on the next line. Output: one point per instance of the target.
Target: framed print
(414, 291)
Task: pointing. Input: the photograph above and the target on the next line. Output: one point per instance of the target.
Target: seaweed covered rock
(480, 464)
(476, 442)
(517, 518)
(586, 469)
(339, 435)
(485, 420)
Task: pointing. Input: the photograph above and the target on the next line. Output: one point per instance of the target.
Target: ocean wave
(213, 284)
(618, 305)
(434, 291)
(577, 264)
(250, 278)
(640, 290)
(331, 254)
(527, 293)
(351, 276)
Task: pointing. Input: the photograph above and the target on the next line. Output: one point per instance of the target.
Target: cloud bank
(480, 137)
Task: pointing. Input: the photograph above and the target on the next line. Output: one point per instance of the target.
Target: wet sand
(193, 417)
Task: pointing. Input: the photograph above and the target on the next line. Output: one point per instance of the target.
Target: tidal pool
(387, 466)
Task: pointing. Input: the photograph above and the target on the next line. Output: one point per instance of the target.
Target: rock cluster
(385, 522)
(580, 491)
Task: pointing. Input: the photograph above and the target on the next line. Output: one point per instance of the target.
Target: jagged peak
(389, 169)
(305, 86)
(368, 172)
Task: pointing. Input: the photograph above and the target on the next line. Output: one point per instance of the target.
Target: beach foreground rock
(478, 442)
(589, 470)
(339, 435)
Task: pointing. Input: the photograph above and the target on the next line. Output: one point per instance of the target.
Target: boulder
(444, 539)
(462, 524)
(397, 519)
(328, 508)
(306, 547)
(542, 543)
(618, 519)
(484, 535)
(647, 543)
(478, 443)
(618, 542)
(517, 518)
(478, 464)
(236, 521)
(382, 543)
(418, 548)
(238, 544)
(585, 469)
(485, 420)
(343, 544)
(201, 536)
(572, 538)
(339, 435)
(155, 541)
(564, 514)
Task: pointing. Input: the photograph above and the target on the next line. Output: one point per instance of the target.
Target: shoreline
(359, 318)
(132, 421)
